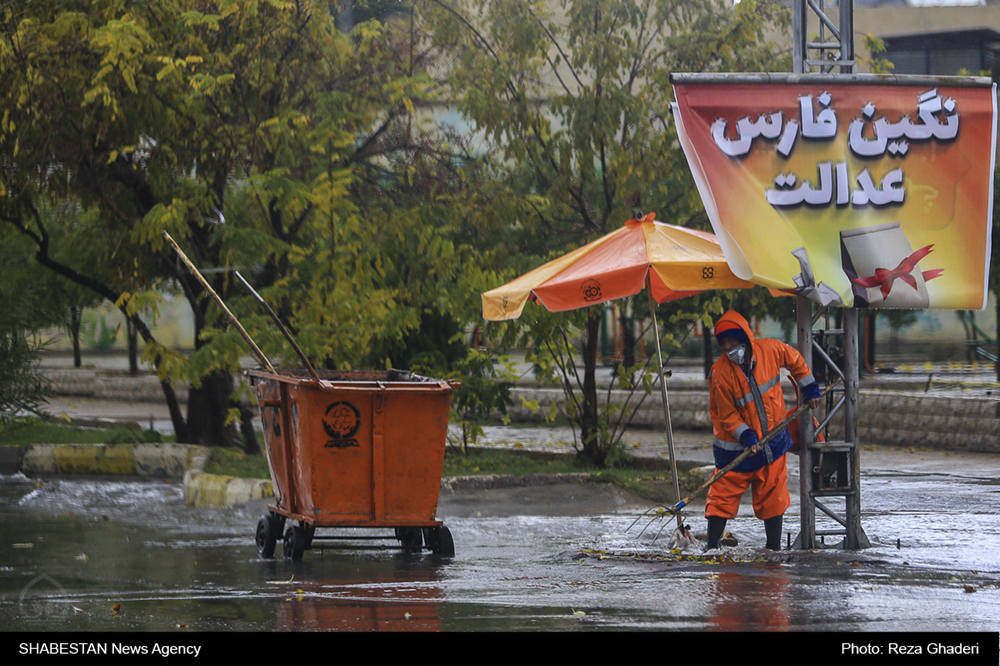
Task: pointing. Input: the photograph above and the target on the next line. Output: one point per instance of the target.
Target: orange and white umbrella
(673, 262)
(677, 262)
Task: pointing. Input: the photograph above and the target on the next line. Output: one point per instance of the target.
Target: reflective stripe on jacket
(750, 397)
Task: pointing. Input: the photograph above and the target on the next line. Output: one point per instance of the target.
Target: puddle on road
(74, 548)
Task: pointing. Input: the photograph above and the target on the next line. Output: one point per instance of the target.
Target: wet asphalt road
(552, 558)
(565, 558)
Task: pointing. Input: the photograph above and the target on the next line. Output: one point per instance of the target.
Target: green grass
(651, 484)
(228, 461)
(517, 462)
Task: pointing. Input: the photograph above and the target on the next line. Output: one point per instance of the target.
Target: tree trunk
(174, 407)
(250, 444)
(628, 340)
(98, 287)
(590, 423)
(75, 315)
(870, 341)
(208, 405)
(706, 344)
(208, 409)
(133, 349)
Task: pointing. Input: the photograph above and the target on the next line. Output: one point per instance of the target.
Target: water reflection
(341, 592)
(741, 602)
(69, 553)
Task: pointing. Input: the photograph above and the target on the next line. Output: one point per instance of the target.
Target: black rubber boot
(716, 528)
(772, 528)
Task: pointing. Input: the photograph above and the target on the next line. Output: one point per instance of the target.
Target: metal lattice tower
(829, 470)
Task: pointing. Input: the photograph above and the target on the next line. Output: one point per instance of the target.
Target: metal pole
(666, 403)
(856, 537)
(809, 455)
(807, 512)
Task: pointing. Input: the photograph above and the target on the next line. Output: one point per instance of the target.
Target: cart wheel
(267, 536)
(410, 538)
(294, 543)
(439, 540)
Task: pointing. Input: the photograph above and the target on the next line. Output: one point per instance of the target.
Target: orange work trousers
(770, 492)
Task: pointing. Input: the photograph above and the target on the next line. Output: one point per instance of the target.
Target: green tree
(242, 128)
(572, 99)
(24, 310)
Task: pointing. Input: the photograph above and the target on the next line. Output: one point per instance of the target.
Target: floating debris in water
(682, 538)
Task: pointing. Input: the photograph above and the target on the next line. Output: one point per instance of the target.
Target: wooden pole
(208, 288)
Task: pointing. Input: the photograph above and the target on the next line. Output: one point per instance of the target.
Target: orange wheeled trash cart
(353, 449)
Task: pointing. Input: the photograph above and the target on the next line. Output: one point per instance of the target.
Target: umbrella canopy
(683, 262)
(679, 262)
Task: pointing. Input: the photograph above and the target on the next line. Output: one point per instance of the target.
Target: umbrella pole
(663, 395)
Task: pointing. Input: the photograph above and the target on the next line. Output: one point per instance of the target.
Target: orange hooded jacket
(740, 399)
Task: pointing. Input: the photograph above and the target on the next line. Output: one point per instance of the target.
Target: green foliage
(134, 437)
(876, 64)
(570, 100)
(228, 461)
(23, 389)
(97, 333)
(485, 383)
(507, 461)
(257, 135)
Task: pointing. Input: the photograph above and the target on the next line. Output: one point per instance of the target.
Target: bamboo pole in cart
(215, 296)
(284, 331)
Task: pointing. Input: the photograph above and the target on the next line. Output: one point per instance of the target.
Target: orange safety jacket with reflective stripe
(750, 397)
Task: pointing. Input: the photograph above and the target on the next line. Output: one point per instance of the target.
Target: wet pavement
(565, 557)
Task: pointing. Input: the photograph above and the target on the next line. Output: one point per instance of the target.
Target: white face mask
(737, 354)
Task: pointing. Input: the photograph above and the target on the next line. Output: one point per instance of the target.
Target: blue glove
(811, 392)
(748, 438)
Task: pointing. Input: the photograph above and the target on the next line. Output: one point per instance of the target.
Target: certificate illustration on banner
(862, 190)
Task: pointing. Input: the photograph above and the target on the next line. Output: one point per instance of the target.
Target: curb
(175, 461)
(490, 481)
(215, 490)
(155, 460)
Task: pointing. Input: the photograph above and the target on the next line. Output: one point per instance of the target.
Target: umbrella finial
(640, 218)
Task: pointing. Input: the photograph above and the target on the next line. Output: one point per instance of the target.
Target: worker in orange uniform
(746, 401)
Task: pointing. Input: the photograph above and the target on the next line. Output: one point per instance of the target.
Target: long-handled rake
(661, 511)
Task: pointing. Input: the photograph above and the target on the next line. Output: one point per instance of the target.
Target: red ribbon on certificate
(884, 278)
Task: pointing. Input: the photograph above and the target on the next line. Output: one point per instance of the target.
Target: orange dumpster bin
(356, 449)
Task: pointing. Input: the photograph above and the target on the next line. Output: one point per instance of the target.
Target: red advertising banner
(853, 190)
